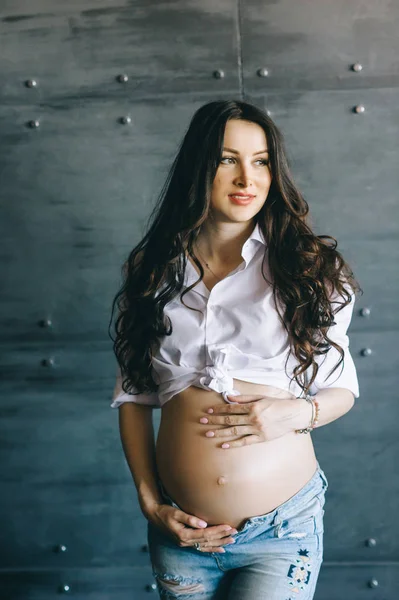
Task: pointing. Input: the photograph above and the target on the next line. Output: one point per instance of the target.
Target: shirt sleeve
(119, 396)
(345, 375)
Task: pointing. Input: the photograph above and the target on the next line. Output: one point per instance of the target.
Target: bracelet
(315, 414)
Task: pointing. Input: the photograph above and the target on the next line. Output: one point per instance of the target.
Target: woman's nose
(243, 177)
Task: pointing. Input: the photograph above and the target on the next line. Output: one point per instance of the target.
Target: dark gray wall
(76, 188)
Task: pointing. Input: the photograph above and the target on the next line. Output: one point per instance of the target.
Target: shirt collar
(257, 235)
(249, 249)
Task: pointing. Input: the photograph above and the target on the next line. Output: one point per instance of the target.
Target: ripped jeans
(276, 556)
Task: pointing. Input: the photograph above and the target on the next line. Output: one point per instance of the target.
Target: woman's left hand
(254, 419)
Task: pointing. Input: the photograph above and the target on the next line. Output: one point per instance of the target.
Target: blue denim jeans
(276, 556)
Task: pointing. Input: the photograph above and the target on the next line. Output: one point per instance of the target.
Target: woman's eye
(263, 161)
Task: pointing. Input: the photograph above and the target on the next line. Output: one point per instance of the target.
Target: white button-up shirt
(237, 335)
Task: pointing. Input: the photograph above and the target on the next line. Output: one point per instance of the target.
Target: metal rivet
(359, 109)
(45, 323)
(366, 351)
(122, 78)
(125, 120)
(218, 74)
(371, 542)
(47, 362)
(64, 589)
(373, 583)
(33, 124)
(357, 67)
(30, 83)
(144, 548)
(262, 72)
(151, 587)
(365, 312)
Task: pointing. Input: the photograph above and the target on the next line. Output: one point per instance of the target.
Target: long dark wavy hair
(305, 268)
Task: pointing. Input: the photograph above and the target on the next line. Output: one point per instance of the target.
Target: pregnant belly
(227, 486)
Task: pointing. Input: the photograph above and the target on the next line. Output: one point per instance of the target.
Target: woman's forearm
(333, 403)
(137, 436)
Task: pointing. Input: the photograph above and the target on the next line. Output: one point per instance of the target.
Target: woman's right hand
(186, 530)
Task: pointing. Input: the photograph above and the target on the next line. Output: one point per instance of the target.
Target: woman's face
(243, 171)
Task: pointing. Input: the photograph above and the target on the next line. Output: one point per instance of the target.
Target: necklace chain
(207, 265)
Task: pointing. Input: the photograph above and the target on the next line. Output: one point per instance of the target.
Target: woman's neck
(223, 244)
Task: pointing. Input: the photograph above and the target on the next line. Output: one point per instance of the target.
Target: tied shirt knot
(216, 376)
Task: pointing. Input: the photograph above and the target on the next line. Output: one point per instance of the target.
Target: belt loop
(277, 524)
(324, 479)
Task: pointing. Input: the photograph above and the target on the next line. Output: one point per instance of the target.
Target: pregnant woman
(232, 318)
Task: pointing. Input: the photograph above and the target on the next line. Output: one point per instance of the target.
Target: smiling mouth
(241, 199)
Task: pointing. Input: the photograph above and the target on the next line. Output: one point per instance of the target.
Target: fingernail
(204, 420)
(202, 524)
(210, 410)
(225, 445)
(222, 550)
(210, 433)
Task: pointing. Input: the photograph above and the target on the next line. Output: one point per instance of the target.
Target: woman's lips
(243, 200)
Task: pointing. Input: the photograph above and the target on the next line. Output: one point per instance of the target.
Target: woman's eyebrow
(254, 154)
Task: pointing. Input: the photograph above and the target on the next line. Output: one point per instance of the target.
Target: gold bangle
(316, 419)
